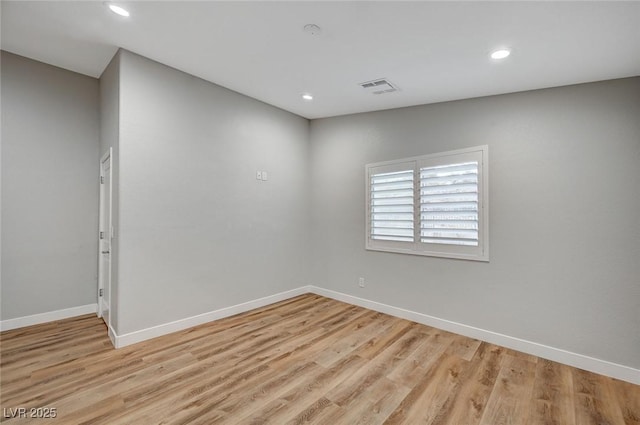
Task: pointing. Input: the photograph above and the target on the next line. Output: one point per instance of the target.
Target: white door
(105, 236)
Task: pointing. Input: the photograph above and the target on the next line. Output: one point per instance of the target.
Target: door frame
(108, 232)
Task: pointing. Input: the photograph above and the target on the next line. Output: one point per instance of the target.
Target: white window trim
(417, 247)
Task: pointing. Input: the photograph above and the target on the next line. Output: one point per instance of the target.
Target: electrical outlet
(361, 282)
(264, 176)
(258, 175)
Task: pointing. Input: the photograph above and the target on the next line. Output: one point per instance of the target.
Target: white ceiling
(433, 51)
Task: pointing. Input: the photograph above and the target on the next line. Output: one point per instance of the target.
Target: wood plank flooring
(305, 360)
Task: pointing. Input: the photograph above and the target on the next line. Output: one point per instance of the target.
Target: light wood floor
(305, 360)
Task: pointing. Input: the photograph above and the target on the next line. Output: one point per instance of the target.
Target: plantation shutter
(449, 213)
(391, 206)
(434, 205)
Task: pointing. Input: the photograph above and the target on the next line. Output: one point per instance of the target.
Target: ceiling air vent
(380, 86)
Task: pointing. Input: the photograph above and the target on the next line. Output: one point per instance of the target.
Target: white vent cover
(379, 86)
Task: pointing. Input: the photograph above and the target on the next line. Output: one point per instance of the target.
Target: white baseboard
(591, 364)
(580, 361)
(178, 325)
(36, 319)
(112, 336)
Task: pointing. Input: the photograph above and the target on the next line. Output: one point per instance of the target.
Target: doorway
(105, 235)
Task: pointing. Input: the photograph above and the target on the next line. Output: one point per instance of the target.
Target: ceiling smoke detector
(312, 29)
(379, 86)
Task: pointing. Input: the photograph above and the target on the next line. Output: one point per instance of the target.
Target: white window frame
(479, 253)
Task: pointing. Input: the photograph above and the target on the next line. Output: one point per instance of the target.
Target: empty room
(317, 212)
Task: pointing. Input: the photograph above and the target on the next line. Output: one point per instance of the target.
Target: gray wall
(195, 231)
(110, 138)
(564, 221)
(198, 232)
(49, 188)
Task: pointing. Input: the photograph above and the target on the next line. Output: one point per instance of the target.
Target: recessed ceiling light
(307, 96)
(118, 10)
(500, 54)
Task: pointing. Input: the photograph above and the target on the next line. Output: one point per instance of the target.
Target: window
(433, 205)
